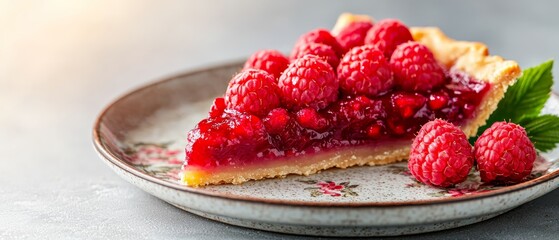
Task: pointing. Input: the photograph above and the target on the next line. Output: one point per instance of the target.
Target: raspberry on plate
(387, 34)
(252, 91)
(440, 154)
(320, 50)
(504, 153)
(365, 71)
(354, 33)
(323, 36)
(308, 82)
(271, 61)
(415, 68)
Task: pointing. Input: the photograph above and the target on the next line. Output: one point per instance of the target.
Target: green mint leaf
(543, 131)
(524, 99)
(527, 96)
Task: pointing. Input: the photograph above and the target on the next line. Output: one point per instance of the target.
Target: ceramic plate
(141, 136)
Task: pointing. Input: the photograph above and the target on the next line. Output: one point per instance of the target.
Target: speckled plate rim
(112, 159)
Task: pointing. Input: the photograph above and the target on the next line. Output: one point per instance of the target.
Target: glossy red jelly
(232, 138)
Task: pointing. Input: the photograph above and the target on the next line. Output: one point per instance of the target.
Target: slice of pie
(357, 98)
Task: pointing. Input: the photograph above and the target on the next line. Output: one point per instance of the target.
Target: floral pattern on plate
(155, 159)
(330, 188)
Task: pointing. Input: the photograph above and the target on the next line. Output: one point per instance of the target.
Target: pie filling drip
(237, 139)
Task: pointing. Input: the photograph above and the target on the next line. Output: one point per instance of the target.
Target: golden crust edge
(470, 57)
(356, 157)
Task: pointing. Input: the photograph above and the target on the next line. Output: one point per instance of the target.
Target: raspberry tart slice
(364, 109)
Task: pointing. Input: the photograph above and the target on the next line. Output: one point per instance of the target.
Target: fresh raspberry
(353, 34)
(323, 36)
(252, 91)
(415, 68)
(440, 154)
(504, 153)
(387, 34)
(225, 139)
(218, 107)
(320, 50)
(308, 82)
(365, 71)
(271, 61)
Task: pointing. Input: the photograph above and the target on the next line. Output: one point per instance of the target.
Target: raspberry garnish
(225, 139)
(504, 153)
(365, 71)
(308, 82)
(353, 34)
(323, 36)
(440, 154)
(252, 91)
(271, 61)
(387, 34)
(320, 50)
(415, 68)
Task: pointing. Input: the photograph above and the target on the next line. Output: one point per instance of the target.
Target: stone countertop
(61, 62)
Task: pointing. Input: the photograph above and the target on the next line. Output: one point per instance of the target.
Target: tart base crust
(470, 57)
(302, 165)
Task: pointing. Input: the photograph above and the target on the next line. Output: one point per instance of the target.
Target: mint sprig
(528, 95)
(522, 104)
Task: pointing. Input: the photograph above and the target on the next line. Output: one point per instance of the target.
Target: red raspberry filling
(230, 139)
(234, 138)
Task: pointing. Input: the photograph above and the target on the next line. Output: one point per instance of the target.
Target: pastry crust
(471, 57)
(302, 165)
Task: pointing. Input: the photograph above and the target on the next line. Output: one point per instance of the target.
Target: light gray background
(62, 61)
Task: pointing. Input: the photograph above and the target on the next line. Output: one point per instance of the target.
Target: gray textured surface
(62, 61)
